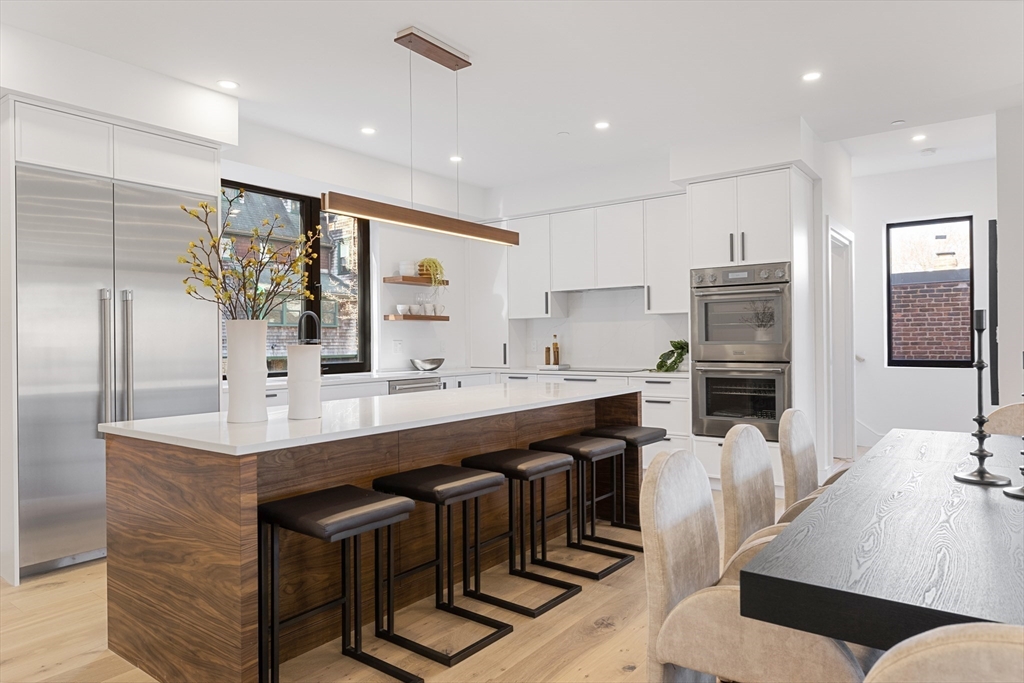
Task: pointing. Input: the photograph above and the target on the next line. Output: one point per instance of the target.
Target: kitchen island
(182, 494)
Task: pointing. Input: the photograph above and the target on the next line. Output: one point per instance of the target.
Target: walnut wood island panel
(182, 494)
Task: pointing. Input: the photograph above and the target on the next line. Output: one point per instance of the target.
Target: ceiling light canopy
(227, 85)
(601, 125)
(812, 76)
(367, 130)
(334, 202)
(919, 137)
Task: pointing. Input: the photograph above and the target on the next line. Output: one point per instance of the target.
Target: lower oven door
(728, 394)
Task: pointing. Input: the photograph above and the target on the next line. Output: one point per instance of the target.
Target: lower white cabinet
(671, 414)
(513, 377)
(709, 451)
(580, 379)
(462, 381)
(335, 392)
(669, 443)
(275, 397)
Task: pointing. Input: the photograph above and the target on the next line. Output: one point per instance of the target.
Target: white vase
(763, 334)
(303, 381)
(247, 370)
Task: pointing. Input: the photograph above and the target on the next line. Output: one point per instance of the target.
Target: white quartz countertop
(354, 417)
(594, 372)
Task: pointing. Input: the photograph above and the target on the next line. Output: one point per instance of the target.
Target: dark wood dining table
(897, 546)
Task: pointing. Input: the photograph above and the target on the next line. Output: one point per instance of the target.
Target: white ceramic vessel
(247, 370)
(303, 381)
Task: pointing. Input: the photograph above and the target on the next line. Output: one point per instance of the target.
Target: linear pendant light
(335, 202)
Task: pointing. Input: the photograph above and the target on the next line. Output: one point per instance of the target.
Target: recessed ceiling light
(601, 125)
(897, 122)
(368, 131)
(456, 158)
(813, 76)
(227, 85)
(919, 137)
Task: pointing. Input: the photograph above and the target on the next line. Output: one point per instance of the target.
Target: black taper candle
(979, 320)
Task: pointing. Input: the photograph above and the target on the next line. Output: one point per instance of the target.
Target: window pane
(248, 212)
(930, 292)
(339, 288)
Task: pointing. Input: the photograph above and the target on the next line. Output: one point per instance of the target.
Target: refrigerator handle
(129, 357)
(107, 315)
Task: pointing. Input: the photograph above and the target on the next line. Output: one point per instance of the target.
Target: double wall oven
(741, 345)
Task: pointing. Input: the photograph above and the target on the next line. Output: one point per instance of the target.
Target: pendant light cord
(412, 204)
(458, 201)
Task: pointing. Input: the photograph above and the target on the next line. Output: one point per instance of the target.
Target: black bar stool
(587, 451)
(336, 514)
(519, 466)
(636, 437)
(442, 486)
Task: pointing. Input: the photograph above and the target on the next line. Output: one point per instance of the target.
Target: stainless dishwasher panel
(411, 386)
(65, 257)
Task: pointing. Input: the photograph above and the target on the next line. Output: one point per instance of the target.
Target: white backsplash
(604, 328)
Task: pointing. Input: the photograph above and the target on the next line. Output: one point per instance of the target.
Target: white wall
(914, 398)
(60, 73)
(1010, 172)
(604, 328)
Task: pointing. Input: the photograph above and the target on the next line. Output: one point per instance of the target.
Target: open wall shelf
(409, 280)
(434, 318)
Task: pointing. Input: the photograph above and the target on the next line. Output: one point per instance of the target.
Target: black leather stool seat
(520, 464)
(631, 434)
(334, 513)
(588, 448)
(440, 484)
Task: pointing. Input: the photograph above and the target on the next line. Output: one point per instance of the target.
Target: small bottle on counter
(554, 351)
(547, 355)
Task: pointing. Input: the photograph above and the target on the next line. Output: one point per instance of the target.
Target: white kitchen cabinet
(58, 140)
(516, 377)
(670, 443)
(709, 451)
(529, 272)
(763, 217)
(488, 303)
(666, 242)
(619, 245)
(663, 384)
(712, 223)
(462, 381)
(582, 379)
(335, 392)
(671, 414)
(572, 250)
(165, 162)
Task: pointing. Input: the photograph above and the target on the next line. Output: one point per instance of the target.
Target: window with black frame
(338, 278)
(930, 292)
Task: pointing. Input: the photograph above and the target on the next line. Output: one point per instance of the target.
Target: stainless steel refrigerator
(105, 333)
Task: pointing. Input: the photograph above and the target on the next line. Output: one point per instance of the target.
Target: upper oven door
(742, 323)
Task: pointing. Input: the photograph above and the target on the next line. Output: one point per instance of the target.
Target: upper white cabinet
(667, 255)
(58, 140)
(572, 250)
(619, 245)
(488, 303)
(739, 220)
(165, 162)
(529, 271)
(763, 217)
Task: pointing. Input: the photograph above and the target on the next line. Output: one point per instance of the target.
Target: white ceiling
(661, 72)
(954, 142)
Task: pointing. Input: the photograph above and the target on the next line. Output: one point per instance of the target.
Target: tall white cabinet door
(572, 250)
(529, 269)
(713, 223)
(619, 237)
(667, 257)
(764, 224)
(488, 303)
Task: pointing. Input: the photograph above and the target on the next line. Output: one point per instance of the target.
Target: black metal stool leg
(275, 621)
(622, 523)
(592, 504)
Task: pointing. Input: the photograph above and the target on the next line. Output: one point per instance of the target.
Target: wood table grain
(897, 546)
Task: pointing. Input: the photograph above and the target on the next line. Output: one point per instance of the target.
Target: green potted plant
(673, 358)
(432, 268)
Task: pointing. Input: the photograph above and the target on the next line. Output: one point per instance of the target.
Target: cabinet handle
(545, 303)
(107, 318)
(664, 403)
(127, 299)
(271, 395)
(743, 246)
(444, 385)
(504, 353)
(580, 379)
(460, 384)
(516, 377)
(657, 381)
(732, 247)
(648, 297)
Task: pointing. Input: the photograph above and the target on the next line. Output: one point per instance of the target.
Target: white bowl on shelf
(403, 309)
(408, 268)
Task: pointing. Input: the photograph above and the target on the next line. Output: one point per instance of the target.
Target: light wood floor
(53, 628)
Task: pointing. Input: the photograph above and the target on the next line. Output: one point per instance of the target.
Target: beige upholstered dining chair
(748, 488)
(1007, 420)
(695, 631)
(964, 653)
(799, 459)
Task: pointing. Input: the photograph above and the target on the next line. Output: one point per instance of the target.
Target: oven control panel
(750, 274)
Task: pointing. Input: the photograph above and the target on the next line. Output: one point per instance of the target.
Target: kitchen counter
(183, 494)
(381, 376)
(593, 372)
(352, 418)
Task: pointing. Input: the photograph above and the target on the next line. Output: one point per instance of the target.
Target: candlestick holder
(981, 476)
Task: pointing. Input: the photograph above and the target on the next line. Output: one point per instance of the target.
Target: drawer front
(673, 442)
(472, 380)
(671, 414)
(709, 453)
(277, 397)
(585, 379)
(512, 378)
(339, 391)
(678, 387)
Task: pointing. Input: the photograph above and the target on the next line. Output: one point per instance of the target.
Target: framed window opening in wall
(339, 278)
(930, 293)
